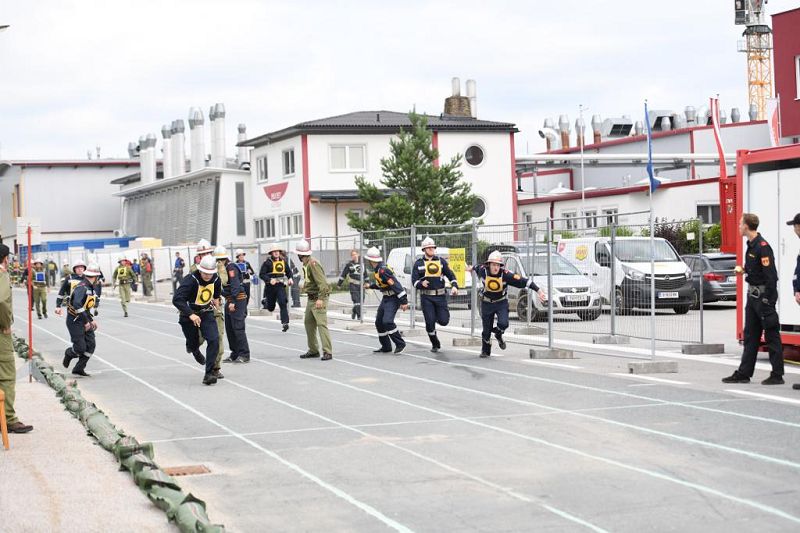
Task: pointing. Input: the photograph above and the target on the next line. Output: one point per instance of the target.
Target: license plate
(576, 298)
(667, 294)
(731, 279)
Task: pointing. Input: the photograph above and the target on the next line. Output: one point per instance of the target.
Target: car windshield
(638, 251)
(560, 266)
(722, 263)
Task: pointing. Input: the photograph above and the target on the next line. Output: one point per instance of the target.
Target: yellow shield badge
(581, 252)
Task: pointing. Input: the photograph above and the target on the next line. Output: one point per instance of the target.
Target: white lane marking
(651, 473)
(548, 363)
(765, 396)
(649, 378)
(681, 438)
(657, 475)
(393, 524)
(642, 384)
(485, 482)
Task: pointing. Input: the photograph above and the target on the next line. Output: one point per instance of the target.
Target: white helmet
(78, 263)
(37, 260)
(275, 247)
(495, 257)
(238, 252)
(220, 252)
(208, 265)
(204, 247)
(374, 255)
(302, 248)
(122, 258)
(427, 242)
(92, 271)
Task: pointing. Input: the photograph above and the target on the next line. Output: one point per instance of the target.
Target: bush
(622, 231)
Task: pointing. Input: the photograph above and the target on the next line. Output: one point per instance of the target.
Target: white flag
(774, 121)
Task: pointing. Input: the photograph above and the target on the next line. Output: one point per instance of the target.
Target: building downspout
(336, 228)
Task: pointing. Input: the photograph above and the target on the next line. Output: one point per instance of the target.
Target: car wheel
(522, 309)
(622, 306)
(681, 309)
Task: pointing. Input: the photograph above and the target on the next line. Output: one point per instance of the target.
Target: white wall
(292, 201)
(71, 201)
(674, 203)
(226, 212)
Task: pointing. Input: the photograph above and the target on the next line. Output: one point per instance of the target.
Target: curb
(187, 511)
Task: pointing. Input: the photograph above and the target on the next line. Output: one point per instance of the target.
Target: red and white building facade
(786, 39)
(303, 177)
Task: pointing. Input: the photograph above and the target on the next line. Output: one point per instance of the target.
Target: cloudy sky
(75, 74)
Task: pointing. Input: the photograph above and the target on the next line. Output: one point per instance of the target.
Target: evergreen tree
(419, 191)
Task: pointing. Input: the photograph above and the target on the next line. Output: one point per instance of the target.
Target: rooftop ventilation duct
(691, 115)
(218, 131)
(736, 116)
(615, 128)
(638, 128)
(132, 150)
(550, 135)
(597, 127)
(656, 118)
(166, 147)
(197, 139)
(243, 155)
(178, 148)
(753, 112)
(563, 128)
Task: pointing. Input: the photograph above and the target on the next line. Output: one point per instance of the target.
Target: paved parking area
(424, 442)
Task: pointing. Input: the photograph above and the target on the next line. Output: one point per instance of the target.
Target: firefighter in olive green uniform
(318, 291)
(40, 284)
(8, 369)
(124, 276)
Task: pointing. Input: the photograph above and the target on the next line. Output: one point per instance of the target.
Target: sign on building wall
(275, 193)
(22, 230)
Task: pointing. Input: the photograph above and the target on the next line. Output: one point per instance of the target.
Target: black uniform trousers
(490, 310)
(277, 294)
(384, 323)
(758, 317)
(435, 311)
(355, 297)
(208, 329)
(83, 342)
(235, 330)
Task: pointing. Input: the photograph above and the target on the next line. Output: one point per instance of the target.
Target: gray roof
(378, 122)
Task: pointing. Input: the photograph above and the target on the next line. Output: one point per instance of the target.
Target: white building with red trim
(303, 176)
(689, 189)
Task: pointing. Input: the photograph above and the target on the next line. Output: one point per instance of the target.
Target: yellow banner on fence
(458, 263)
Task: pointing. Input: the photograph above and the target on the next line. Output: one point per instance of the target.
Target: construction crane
(757, 44)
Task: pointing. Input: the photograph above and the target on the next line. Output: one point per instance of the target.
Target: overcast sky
(81, 73)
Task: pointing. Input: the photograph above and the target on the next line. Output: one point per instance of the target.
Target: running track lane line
(505, 490)
(308, 475)
(657, 475)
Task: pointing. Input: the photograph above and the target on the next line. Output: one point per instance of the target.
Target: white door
(600, 271)
(787, 245)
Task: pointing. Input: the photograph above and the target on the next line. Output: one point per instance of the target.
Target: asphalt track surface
(423, 442)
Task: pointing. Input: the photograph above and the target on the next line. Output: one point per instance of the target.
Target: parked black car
(715, 272)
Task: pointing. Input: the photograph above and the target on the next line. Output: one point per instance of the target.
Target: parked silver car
(572, 292)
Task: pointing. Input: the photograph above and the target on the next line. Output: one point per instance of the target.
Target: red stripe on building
(306, 193)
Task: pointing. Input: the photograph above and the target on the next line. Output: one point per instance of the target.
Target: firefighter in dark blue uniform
(796, 279)
(494, 300)
(428, 277)
(80, 324)
(352, 274)
(276, 273)
(248, 274)
(196, 297)
(760, 314)
(69, 283)
(394, 298)
(235, 312)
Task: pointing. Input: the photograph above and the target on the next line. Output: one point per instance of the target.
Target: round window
(478, 208)
(474, 155)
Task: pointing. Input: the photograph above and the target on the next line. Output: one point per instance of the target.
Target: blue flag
(654, 183)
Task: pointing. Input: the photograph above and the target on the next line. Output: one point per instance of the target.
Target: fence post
(531, 262)
(474, 291)
(702, 279)
(613, 295)
(549, 286)
(363, 274)
(412, 288)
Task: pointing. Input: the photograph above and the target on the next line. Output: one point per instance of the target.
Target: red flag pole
(30, 309)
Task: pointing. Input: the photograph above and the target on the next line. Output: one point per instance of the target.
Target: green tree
(419, 191)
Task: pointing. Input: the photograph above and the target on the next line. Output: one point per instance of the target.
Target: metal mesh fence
(595, 272)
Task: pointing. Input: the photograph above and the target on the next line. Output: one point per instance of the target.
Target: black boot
(435, 344)
(285, 328)
(486, 348)
(199, 357)
(209, 379)
(309, 355)
(69, 355)
(217, 374)
(80, 367)
(499, 336)
(399, 343)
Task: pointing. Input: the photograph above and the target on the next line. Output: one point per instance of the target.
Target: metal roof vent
(614, 128)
